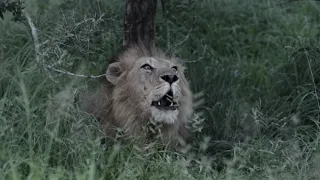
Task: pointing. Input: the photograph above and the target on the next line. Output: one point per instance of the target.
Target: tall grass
(257, 63)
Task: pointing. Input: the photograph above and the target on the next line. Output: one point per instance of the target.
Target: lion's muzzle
(166, 102)
(170, 78)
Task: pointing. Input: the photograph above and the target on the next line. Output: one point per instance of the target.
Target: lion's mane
(122, 102)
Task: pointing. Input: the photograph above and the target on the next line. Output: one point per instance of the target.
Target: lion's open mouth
(166, 102)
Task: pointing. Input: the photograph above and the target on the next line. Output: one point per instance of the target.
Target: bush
(255, 61)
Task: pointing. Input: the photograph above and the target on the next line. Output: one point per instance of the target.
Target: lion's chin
(164, 116)
(165, 110)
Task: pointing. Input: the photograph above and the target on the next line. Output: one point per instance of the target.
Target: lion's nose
(170, 78)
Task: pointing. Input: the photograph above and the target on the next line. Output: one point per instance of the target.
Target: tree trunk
(139, 22)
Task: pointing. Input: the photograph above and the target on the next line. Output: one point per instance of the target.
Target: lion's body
(135, 95)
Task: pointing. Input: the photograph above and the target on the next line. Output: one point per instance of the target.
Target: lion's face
(154, 87)
(158, 81)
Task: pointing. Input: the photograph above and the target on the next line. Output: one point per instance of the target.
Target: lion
(143, 88)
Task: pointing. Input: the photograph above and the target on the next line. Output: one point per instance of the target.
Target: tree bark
(139, 22)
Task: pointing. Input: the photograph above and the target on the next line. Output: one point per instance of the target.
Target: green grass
(256, 62)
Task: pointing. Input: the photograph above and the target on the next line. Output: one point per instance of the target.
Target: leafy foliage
(14, 7)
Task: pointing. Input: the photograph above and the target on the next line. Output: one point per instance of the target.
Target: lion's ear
(113, 72)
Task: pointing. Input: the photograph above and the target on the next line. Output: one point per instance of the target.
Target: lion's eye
(147, 67)
(175, 68)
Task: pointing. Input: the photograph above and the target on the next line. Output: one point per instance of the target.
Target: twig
(34, 36)
(184, 39)
(36, 43)
(93, 20)
(38, 54)
(73, 74)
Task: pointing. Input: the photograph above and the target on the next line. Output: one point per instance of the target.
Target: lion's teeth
(159, 103)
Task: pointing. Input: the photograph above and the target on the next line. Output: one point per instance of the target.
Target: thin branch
(38, 54)
(73, 74)
(36, 43)
(93, 20)
(34, 36)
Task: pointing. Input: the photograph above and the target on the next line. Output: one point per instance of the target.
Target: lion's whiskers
(169, 99)
(169, 96)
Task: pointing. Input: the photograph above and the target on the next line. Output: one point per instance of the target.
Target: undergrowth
(257, 63)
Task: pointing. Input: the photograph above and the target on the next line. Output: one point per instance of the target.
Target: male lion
(143, 86)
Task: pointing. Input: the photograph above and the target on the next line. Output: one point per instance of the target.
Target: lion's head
(147, 86)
